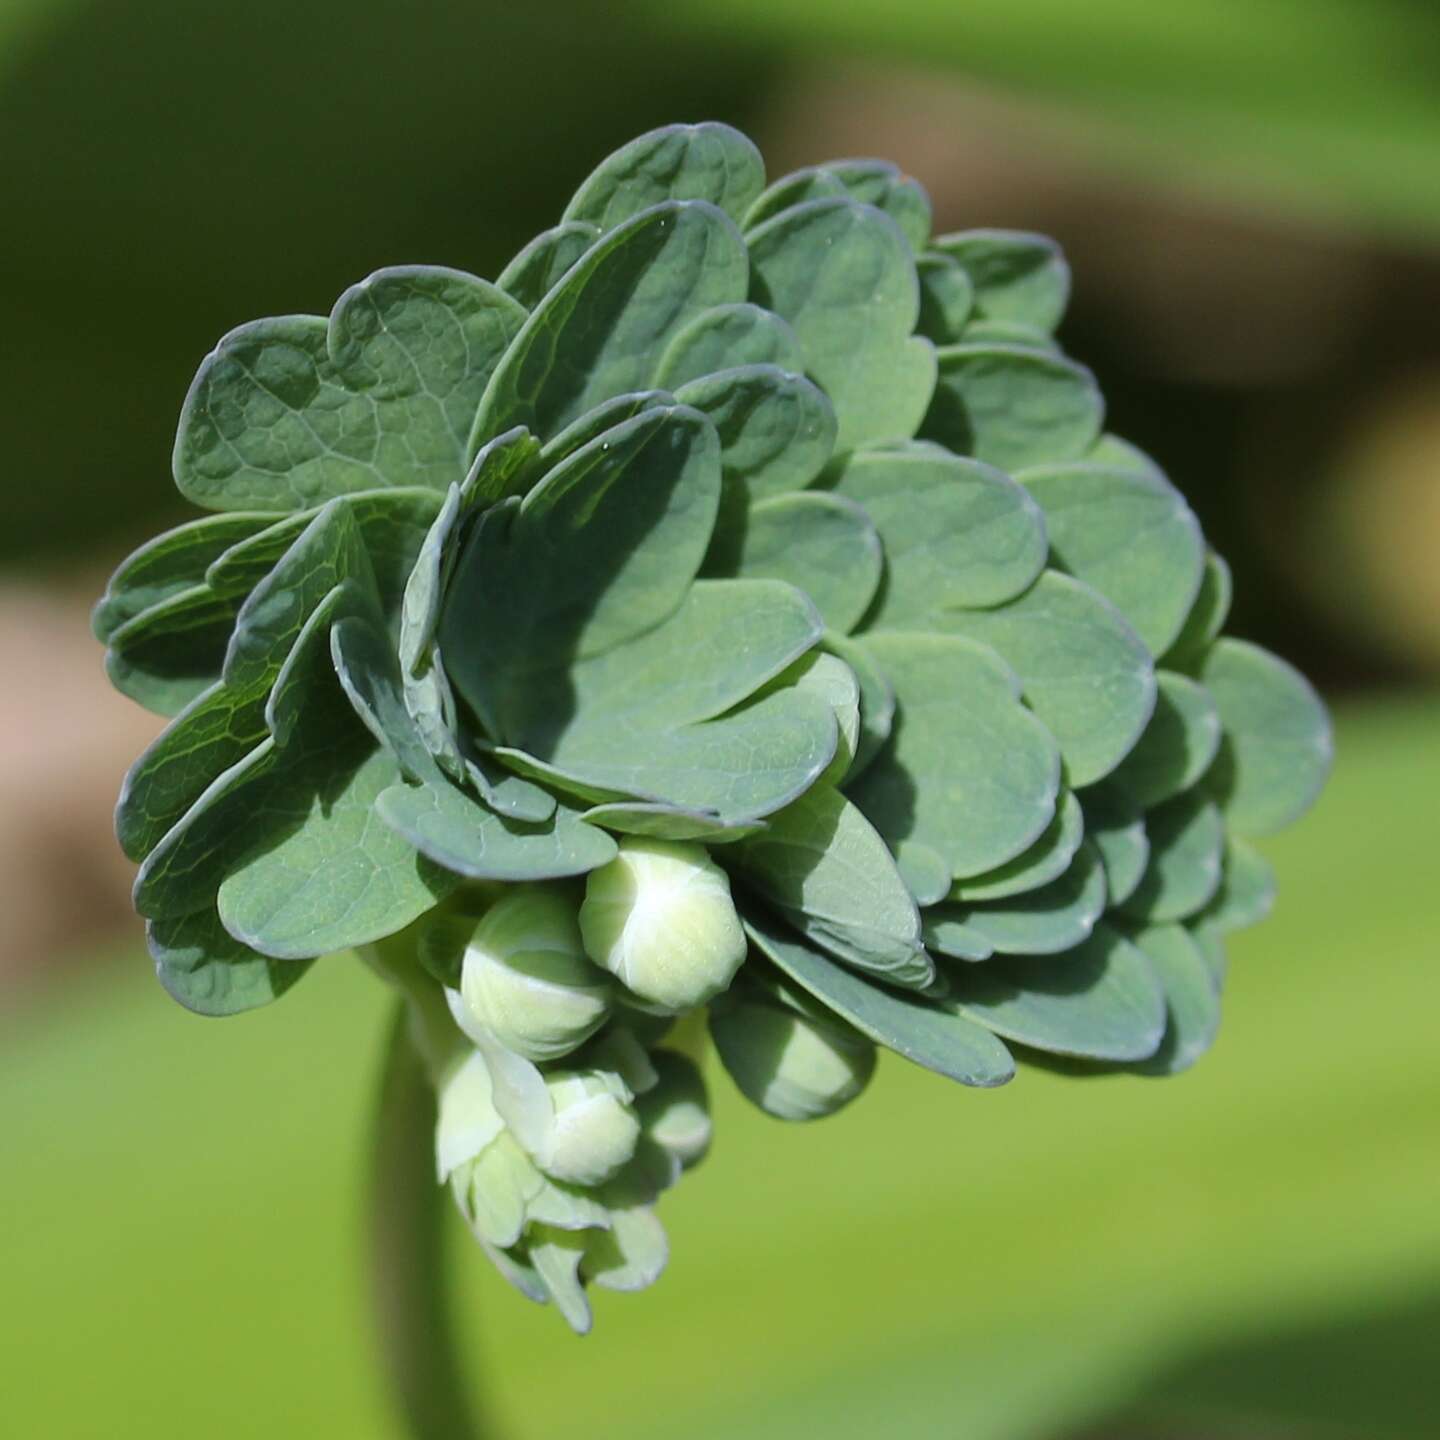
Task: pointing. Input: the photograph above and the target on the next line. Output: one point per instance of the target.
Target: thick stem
(406, 1244)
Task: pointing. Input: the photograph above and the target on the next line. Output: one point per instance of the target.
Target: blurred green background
(1250, 194)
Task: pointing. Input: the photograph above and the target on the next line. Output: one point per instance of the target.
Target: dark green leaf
(1206, 618)
(166, 656)
(533, 273)
(210, 972)
(602, 329)
(925, 1032)
(946, 298)
(709, 161)
(290, 412)
(1115, 825)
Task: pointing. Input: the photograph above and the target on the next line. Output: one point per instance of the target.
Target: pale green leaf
(1115, 826)
(1047, 859)
(969, 772)
(1177, 746)
(1187, 841)
(1277, 747)
(877, 701)
(1018, 276)
(1085, 672)
(947, 297)
(726, 338)
(669, 822)
(1247, 889)
(1127, 534)
(842, 274)
(1013, 406)
(947, 931)
(956, 532)
(1206, 618)
(1192, 998)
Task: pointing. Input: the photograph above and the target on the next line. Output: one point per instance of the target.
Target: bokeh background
(1249, 191)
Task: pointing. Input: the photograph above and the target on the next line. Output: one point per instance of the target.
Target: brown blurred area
(1271, 364)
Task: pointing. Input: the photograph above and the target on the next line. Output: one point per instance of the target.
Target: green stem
(406, 1245)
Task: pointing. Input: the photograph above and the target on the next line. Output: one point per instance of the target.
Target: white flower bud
(790, 1065)
(660, 918)
(594, 1131)
(526, 979)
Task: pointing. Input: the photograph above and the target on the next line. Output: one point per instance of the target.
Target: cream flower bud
(594, 1131)
(659, 917)
(526, 980)
(794, 1066)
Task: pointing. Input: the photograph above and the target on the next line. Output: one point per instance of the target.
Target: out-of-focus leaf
(947, 297)
(1277, 746)
(1018, 277)
(727, 338)
(1206, 618)
(1247, 889)
(1192, 998)
(1177, 746)
(1187, 840)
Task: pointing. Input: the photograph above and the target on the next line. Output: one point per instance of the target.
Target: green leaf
(287, 413)
(1056, 917)
(1099, 1001)
(167, 655)
(822, 544)
(504, 466)
(669, 822)
(167, 565)
(1247, 889)
(424, 590)
(726, 338)
(215, 731)
(1187, 840)
(1047, 859)
(1277, 747)
(947, 297)
(534, 272)
(1013, 406)
(605, 547)
(1018, 276)
(327, 877)
(881, 184)
(1127, 534)
(392, 526)
(956, 533)
(1206, 618)
(947, 931)
(1192, 998)
(1085, 673)
(832, 681)
(600, 332)
(328, 551)
(877, 701)
(1115, 826)
(1110, 450)
(710, 161)
(369, 672)
(1176, 747)
(980, 331)
(842, 274)
(777, 430)
(210, 972)
(925, 1032)
(969, 772)
(829, 873)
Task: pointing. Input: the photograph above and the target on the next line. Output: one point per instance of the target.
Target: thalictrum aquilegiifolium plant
(734, 620)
